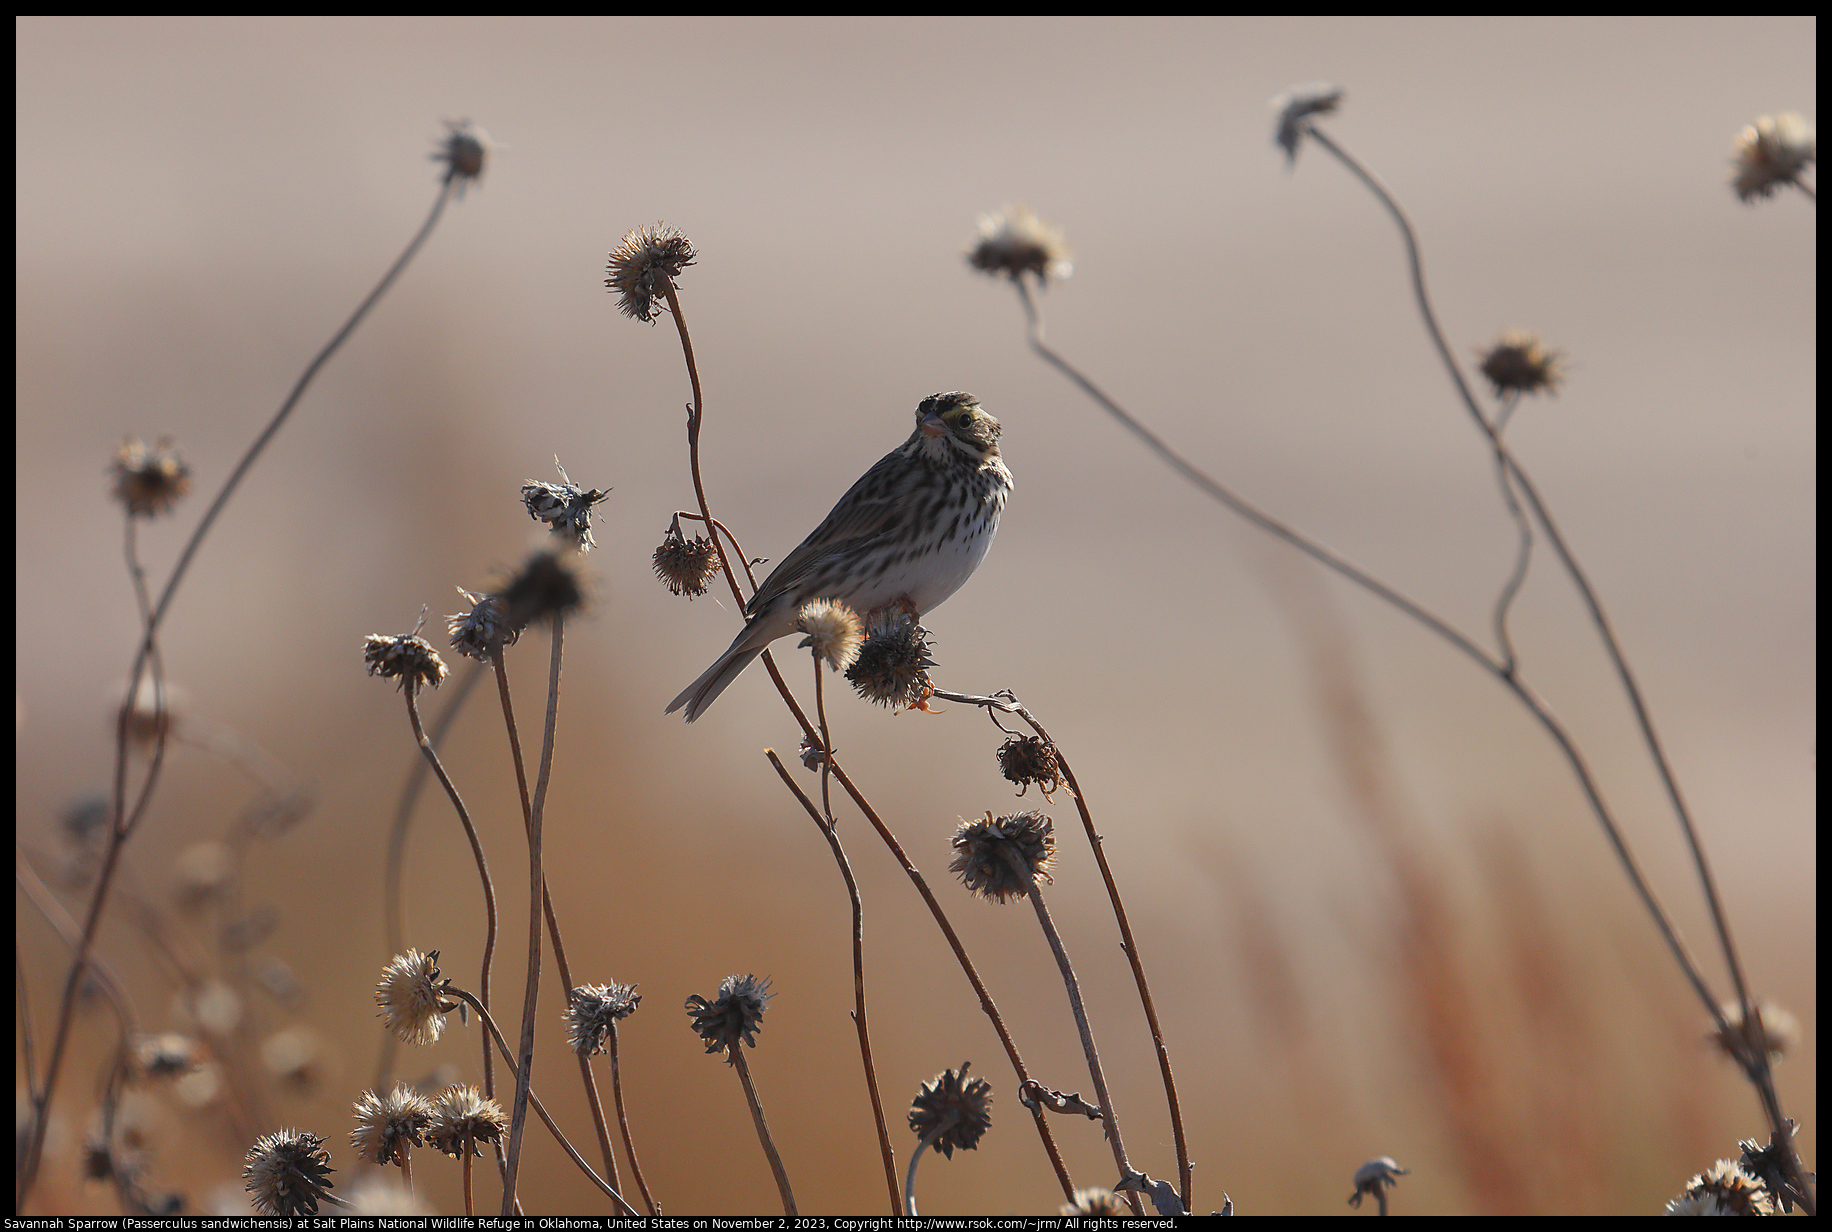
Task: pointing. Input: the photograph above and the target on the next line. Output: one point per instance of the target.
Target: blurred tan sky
(201, 202)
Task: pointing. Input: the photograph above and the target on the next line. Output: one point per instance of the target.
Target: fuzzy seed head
(1770, 154)
(686, 565)
(388, 1126)
(149, 480)
(287, 1173)
(463, 1119)
(985, 850)
(1769, 1028)
(1518, 363)
(594, 1010)
(1096, 1202)
(482, 632)
(548, 584)
(833, 632)
(406, 657)
(641, 267)
(1723, 1189)
(412, 997)
(1014, 242)
(893, 665)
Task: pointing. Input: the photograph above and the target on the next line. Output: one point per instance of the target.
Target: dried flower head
(564, 506)
(548, 584)
(149, 480)
(388, 1126)
(1295, 107)
(1723, 1189)
(1374, 1178)
(593, 1010)
(955, 1108)
(412, 997)
(1518, 363)
(893, 665)
(1772, 1166)
(736, 1014)
(151, 712)
(463, 1120)
(166, 1055)
(1096, 1202)
(407, 656)
(287, 1173)
(465, 151)
(1769, 1029)
(987, 851)
(482, 632)
(1030, 759)
(1015, 242)
(1771, 153)
(687, 565)
(648, 258)
(833, 631)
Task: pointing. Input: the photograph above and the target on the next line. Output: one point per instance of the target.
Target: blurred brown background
(200, 203)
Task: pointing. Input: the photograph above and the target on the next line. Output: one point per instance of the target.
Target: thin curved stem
(924, 1143)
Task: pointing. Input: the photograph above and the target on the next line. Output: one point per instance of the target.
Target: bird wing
(870, 507)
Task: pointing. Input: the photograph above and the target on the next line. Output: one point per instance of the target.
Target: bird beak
(933, 425)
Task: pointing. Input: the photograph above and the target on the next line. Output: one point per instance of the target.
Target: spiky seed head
(1723, 1189)
(592, 1010)
(1519, 363)
(952, 1100)
(893, 664)
(463, 1118)
(1769, 1028)
(287, 1173)
(464, 152)
(149, 479)
(564, 506)
(986, 851)
(166, 1055)
(406, 657)
(1030, 759)
(640, 267)
(1373, 1177)
(412, 997)
(833, 632)
(482, 632)
(388, 1126)
(735, 1014)
(686, 565)
(1771, 153)
(1014, 242)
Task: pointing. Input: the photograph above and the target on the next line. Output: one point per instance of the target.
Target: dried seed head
(564, 506)
(648, 258)
(406, 656)
(833, 631)
(1771, 153)
(463, 1118)
(687, 565)
(736, 1014)
(388, 1126)
(1772, 1166)
(287, 1173)
(1030, 759)
(1375, 1176)
(986, 850)
(147, 716)
(294, 1056)
(1096, 1202)
(464, 151)
(412, 997)
(592, 1010)
(149, 480)
(1014, 242)
(547, 585)
(1769, 1029)
(893, 665)
(1723, 1189)
(168, 1055)
(202, 875)
(1295, 107)
(482, 632)
(959, 1106)
(1518, 363)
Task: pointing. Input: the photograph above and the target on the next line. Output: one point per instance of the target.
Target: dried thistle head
(482, 632)
(833, 632)
(893, 665)
(1004, 857)
(564, 506)
(170, 1054)
(406, 656)
(463, 1119)
(592, 1010)
(735, 1014)
(641, 267)
(1295, 108)
(1030, 759)
(686, 565)
(1723, 1189)
(465, 151)
(388, 1126)
(412, 997)
(1519, 363)
(1770, 154)
(548, 584)
(1768, 1029)
(287, 1173)
(1014, 242)
(149, 479)
(956, 1108)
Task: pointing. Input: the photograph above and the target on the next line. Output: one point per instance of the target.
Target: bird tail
(704, 691)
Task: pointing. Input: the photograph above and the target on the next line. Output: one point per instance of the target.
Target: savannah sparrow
(907, 534)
